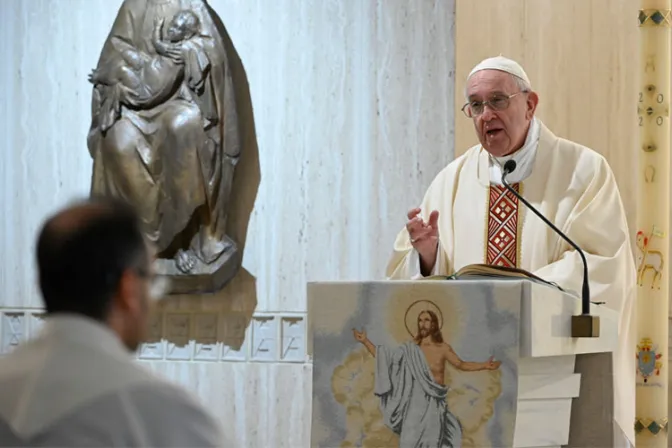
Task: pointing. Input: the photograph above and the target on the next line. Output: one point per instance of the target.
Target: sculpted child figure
(149, 80)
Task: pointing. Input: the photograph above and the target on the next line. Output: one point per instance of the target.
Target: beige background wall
(582, 57)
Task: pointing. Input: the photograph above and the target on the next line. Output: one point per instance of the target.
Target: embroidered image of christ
(409, 381)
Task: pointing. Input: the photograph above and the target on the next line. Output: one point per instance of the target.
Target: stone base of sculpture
(203, 278)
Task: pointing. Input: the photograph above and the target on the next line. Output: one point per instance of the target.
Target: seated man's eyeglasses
(497, 102)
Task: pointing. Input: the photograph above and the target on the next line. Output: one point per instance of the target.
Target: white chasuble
(573, 187)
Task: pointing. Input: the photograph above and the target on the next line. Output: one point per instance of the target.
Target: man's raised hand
(424, 237)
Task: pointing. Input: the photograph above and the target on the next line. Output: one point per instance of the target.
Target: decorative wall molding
(193, 336)
(222, 337)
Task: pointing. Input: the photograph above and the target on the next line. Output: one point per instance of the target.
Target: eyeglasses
(497, 102)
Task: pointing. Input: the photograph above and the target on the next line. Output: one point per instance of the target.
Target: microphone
(583, 325)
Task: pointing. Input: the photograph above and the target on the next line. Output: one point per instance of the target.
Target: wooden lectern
(564, 394)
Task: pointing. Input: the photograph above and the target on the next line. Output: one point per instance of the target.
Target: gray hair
(523, 85)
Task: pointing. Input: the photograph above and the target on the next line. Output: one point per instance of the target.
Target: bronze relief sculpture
(164, 135)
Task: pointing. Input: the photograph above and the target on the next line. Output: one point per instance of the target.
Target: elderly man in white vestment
(468, 217)
(77, 384)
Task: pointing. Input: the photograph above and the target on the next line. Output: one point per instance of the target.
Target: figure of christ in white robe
(572, 186)
(412, 403)
(409, 380)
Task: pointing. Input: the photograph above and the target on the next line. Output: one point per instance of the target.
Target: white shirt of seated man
(459, 222)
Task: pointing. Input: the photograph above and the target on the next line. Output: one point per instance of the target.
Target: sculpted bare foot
(185, 260)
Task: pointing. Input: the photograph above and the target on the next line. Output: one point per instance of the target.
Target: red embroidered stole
(502, 247)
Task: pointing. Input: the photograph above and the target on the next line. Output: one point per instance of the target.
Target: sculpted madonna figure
(164, 135)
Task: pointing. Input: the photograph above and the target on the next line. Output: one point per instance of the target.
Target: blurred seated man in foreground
(77, 384)
(468, 217)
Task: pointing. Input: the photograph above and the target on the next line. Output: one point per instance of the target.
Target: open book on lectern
(481, 271)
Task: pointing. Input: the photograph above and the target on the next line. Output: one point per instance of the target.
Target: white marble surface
(546, 387)
(546, 322)
(351, 117)
(547, 382)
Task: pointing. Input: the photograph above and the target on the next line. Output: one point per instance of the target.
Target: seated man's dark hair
(82, 253)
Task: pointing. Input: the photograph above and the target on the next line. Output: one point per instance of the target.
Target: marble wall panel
(347, 112)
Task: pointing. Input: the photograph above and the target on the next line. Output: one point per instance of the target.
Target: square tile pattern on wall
(193, 336)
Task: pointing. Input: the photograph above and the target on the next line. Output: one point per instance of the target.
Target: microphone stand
(583, 325)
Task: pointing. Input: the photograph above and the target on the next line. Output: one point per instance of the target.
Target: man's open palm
(424, 236)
